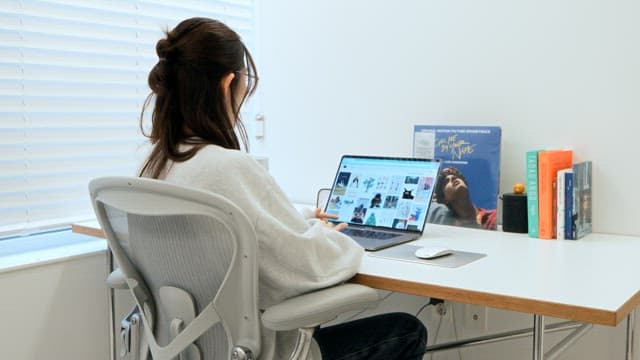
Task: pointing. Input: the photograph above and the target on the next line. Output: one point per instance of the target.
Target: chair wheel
(241, 353)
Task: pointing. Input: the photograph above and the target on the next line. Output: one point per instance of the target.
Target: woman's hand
(319, 214)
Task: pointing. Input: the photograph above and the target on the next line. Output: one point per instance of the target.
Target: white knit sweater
(296, 255)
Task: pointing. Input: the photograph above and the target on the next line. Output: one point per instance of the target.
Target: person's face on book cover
(455, 187)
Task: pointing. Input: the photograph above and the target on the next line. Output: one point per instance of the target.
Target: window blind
(73, 79)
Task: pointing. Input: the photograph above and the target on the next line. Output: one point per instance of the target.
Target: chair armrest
(318, 307)
(117, 280)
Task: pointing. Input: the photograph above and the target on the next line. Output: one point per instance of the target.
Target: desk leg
(631, 325)
(538, 337)
(111, 305)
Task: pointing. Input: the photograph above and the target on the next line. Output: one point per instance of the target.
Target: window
(72, 84)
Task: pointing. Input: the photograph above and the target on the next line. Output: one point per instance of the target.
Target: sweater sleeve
(308, 213)
(298, 255)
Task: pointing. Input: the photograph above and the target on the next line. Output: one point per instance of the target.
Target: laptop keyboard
(369, 234)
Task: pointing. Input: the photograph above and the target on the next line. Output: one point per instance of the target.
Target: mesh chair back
(165, 235)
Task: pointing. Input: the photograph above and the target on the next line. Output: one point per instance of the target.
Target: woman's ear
(226, 83)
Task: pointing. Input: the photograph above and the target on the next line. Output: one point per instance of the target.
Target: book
(473, 154)
(549, 162)
(581, 215)
(532, 192)
(568, 205)
(561, 202)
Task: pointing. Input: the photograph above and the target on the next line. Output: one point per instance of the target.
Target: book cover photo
(467, 188)
(581, 213)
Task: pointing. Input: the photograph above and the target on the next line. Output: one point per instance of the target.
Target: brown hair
(441, 182)
(189, 98)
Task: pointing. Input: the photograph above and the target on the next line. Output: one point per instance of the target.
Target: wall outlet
(475, 320)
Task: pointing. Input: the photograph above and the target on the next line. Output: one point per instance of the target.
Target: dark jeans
(385, 337)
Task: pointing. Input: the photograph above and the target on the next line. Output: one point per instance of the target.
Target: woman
(203, 76)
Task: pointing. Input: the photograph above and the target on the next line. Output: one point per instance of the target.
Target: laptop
(385, 200)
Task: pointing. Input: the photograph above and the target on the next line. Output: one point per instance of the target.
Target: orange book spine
(549, 162)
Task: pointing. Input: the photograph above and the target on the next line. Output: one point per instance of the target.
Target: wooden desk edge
(87, 230)
(577, 313)
(563, 311)
(628, 307)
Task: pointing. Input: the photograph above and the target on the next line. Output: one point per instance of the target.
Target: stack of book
(558, 195)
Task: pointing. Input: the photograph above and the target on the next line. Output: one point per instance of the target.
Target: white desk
(593, 280)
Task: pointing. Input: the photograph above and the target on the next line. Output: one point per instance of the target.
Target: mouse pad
(407, 253)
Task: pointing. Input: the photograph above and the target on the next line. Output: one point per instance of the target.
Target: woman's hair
(189, 97)
(441, 182)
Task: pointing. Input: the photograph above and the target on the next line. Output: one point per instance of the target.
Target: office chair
(189, 258)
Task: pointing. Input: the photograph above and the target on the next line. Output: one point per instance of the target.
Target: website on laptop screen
(383, 192)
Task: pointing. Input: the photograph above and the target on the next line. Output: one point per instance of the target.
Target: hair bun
(159, 77)
(163, 48)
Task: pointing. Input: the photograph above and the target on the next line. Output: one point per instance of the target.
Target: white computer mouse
(430, 252)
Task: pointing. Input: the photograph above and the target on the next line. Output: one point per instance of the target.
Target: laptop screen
(383, 192)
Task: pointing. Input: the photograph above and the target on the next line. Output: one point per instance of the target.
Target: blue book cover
(568, 205)
(467, 191)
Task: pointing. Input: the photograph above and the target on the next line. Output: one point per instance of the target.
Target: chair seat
(318, 307)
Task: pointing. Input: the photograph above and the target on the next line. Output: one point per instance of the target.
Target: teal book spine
(532, 193)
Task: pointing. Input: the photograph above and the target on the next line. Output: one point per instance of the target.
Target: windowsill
(86, 239)
(36, 250)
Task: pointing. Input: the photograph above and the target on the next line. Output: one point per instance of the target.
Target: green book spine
(532, 193)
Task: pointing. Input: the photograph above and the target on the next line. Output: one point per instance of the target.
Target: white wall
(55, 311)
(355, 76)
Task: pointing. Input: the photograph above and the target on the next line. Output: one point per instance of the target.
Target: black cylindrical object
(514, 213)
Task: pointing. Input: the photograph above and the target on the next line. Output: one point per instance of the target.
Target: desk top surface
(595, 279)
